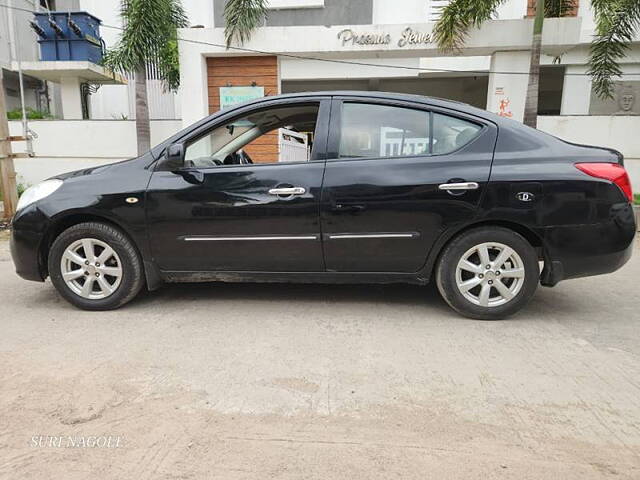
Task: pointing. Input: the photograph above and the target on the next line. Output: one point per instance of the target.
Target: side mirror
(175, 156)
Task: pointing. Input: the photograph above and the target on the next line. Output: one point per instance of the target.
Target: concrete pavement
(308, 381)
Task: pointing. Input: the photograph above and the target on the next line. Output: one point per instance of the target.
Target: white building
(385, 45)
(375, 32)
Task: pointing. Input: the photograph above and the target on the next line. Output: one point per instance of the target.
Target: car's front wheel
(95, 266)
(488, 273)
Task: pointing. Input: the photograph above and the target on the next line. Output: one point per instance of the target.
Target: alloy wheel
(91, 268)
(490, 274)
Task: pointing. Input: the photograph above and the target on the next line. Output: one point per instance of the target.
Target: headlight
(38, 192)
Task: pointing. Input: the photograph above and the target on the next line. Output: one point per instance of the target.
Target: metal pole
(14, 54)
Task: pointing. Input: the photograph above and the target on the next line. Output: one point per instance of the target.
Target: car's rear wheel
(488, 273)
(95, 266)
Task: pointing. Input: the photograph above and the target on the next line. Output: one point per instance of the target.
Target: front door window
(275, 135)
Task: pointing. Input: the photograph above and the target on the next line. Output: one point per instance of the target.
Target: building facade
(386, 45)
(18, 42)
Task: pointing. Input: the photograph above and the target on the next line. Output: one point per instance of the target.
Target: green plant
(22, 187)
(241, 18)
(617, 23)
(32, 114)
(149, 37)
(636, 198)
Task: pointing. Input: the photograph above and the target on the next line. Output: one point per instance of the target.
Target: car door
(398, 175)
(219, 212)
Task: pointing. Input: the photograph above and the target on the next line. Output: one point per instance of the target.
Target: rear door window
(373, 131)
(387, 131)
(452, 133)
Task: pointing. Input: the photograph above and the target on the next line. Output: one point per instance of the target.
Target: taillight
(609, 171)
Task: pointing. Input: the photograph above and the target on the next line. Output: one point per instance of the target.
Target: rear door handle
(347, 208)
(287, 191)
(459, 186)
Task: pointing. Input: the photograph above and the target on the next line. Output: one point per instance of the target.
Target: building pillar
(507, 91)
(194, 95)
(576, 91)
(71, 99)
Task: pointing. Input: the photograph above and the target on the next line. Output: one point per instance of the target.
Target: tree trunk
(143, 131)
(531, 103)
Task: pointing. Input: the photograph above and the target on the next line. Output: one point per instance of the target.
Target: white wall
(298, 69)
(399, 11)
(199, 12)
(513, 9)
(67, 145)
(90, 138)
(412, 11)
(25, 46)
(617, 132)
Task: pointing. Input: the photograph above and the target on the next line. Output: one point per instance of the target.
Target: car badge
(525, 196)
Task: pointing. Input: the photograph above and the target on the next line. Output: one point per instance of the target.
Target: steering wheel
(237, 158)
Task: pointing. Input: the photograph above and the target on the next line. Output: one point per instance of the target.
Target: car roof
(427, 100)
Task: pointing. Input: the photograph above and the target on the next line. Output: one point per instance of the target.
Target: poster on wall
(230, 96)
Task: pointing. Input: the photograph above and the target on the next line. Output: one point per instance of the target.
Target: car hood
(97, 170)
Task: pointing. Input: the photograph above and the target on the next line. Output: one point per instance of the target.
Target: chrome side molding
(336, 236)
(250, 239)
(348, 236)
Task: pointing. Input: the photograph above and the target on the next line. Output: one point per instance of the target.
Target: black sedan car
(335, 187)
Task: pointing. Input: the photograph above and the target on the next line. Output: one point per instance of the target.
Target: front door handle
(288, 191)
(458, 186)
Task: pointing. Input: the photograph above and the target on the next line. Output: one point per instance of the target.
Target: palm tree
(617, 22)
(242, 17)
(460, 15)
(149, 37)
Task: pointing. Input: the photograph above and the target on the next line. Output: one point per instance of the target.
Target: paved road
(326, 382)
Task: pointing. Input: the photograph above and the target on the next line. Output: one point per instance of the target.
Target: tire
(470, 298)
(113, 283)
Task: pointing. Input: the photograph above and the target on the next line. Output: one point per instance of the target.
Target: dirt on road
(319, 382)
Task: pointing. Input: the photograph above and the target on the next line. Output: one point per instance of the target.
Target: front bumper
(27, 235)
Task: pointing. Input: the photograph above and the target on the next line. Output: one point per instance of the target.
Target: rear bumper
(584, 250)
